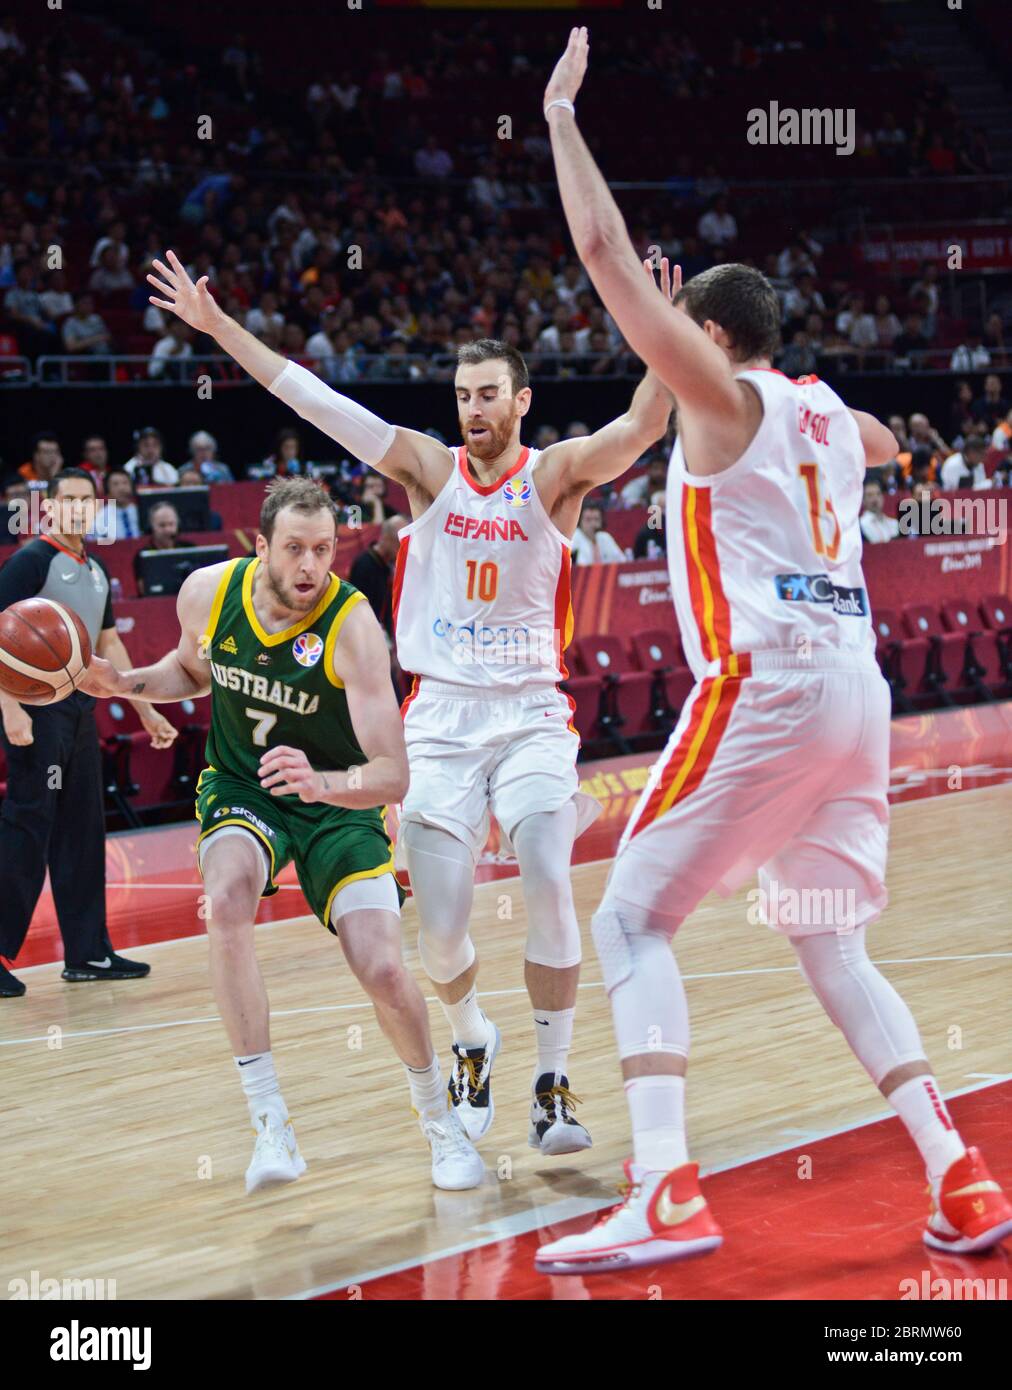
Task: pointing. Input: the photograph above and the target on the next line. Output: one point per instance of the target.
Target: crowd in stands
(358, 273)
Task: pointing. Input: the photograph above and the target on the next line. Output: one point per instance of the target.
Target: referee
(53, 815)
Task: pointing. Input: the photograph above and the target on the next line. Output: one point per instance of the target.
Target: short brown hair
(742, 301)
(304, 494)
(488, 350)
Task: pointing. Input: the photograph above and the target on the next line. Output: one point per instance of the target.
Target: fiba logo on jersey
(515, 496)
(307, 649)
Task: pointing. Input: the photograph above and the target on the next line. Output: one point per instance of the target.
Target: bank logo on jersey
(517, 496)
(307, 649)
(818, 588)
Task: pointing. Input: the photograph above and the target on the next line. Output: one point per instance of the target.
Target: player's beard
(288, 596)
(495, 442)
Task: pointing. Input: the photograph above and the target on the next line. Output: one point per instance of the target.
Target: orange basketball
(44, 651)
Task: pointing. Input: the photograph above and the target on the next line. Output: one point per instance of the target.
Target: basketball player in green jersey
(305, 747)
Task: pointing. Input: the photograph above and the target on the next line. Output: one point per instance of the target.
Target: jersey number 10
(484, 578)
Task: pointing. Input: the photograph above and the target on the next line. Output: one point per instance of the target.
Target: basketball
(44, 651)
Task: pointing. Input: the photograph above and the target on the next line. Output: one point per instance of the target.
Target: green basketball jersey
(270, 688)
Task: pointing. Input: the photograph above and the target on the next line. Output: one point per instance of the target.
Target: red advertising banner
(984, 247)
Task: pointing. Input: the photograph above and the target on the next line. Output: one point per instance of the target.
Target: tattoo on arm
(136, 690)
(326, 781)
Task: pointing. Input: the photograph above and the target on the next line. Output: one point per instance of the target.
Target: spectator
(638, 491)
(163, 534)
(718, 227)
(265, 315)
(170, 352)
(928, 289)
(592, 545)
(798, 358)
(375, 509)
(994, 340)
(1002, 436)
(23, 306)
(373, 571)
(95, 460)
(912, 339)
(887, 325)
(203, 450)
(856, 324)
(84, 331)
(972, 355)
(110, 277)
(46, 460)
(147, 468)
(116, 238)
(650, 542)
(284, 462)
(56, 301)
(961, 413)
(966, 469)
(432, 161)
(992, 407)
(875, 525)
(119, 520)
(803, 299)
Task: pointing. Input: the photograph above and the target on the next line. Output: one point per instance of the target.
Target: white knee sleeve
(441, 870)
(544, 846)
(859, 999)
(641, 975)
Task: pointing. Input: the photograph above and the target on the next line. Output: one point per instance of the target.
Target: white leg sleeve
(544, 846)
(860, 1000)
(644, 984)
(442, 879)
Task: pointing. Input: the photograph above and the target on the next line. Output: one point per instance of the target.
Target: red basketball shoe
(664, 1217)
(972, 1212)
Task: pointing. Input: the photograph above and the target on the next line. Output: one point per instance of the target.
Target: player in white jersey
(779, 762)
(483, 619)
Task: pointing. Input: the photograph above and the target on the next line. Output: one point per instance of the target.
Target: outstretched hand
(671, 276)
(188, 301)
(567, 78)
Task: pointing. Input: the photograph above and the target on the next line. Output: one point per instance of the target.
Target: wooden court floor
(126, 1135)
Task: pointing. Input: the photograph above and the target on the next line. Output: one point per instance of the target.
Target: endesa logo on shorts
(817, 588)
(494, 528)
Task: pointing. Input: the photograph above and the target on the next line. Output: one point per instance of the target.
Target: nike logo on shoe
(100, 964)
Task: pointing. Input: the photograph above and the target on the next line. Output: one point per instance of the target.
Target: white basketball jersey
(767, 554)
(482, 584)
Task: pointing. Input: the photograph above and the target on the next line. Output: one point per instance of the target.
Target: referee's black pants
(53, 816)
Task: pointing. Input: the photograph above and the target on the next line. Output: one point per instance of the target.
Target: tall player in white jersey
(483, 618)
(780, 759)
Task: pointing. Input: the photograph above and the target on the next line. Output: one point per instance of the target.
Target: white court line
(365, 1003)
(567, 1207)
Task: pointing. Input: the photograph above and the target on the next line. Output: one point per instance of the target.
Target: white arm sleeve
(356, 429)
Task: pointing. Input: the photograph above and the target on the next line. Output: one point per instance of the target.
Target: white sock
(921, 1108)
(657, 1108)
(469, 1024)
(554, 1036)
(428, 1090)
(260, 1083)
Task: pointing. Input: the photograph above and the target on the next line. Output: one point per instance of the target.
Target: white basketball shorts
(474, 751)
(784, 771)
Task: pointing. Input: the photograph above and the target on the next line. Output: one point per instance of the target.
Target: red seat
(886, 623)
(657, 649)
(989, 663)
(631, 690)
(996, 610)
(960, 616)
(921, 620)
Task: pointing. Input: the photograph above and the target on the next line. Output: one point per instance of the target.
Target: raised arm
(418, 462)
(362, 664)
(686, 359)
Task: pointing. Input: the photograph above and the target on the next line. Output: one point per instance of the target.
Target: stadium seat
(660, 652)
(632, 705)
(989, 665)
(996, 611)
(959, 615)
(921, 620)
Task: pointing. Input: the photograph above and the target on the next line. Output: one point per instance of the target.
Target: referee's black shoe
(110, 967)
(10, 986)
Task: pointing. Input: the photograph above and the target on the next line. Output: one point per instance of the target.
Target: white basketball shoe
(456, 1163)
(276, 1156)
